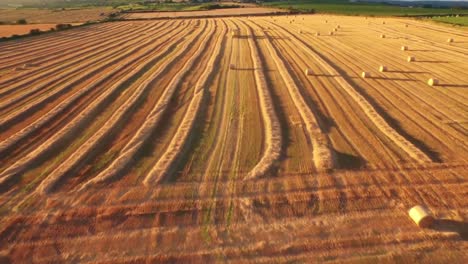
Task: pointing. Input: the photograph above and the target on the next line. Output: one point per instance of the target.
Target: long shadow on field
(454, 85)
(391, 121)
(6, 186)
(348, 161)
(195, 138)
(392, 79)
(406, 71)
(428, 61)
(447, 225)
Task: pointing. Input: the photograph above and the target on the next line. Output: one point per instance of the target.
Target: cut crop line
(323, 155)
(23, 163)
(273, 138)
(57, 53)
(13, 140)
(77, 78)
(152, 120)
(65, 63)
(93, 142)
(367, 108)
(179, 140)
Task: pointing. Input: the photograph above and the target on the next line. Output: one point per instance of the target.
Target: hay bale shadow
(448, 225)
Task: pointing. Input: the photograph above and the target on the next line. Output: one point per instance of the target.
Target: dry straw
(126, 154)
(180, 139)
(273, 138)
(368, 108)
(323, 155)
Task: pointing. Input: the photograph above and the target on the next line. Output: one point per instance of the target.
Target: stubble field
(205, 140)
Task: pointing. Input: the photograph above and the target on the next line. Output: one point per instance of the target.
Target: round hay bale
(365, 74)
(308, 71)
(450, 40)
(421, 216)
(406, 25)
(404, 48)
(383, 68)
(317, 34)
(232, 66)
(411, 59)
(331, 33)
(337, 26)
(335, 29)
(433, 82)
(382, 36)
(383, 22)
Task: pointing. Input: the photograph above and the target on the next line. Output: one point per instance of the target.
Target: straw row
(71, 128)
(152, 120)
(11, 141)
(273, 140)
(322, 149)
(180, 138)
(368, 109)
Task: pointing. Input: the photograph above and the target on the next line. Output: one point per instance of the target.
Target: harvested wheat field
(48, 16)
(10, 30)
(235, 140)
(242, 11)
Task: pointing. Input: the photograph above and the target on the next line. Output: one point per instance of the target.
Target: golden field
(205, 140)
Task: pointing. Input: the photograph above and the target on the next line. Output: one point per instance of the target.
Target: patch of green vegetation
(359, 8)
(460, 21)
(140, 6)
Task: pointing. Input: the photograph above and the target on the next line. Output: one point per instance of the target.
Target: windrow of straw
(367, 108)
(179, 141)
(153, 119)
(74, 125)
(322, 150)
(56, 70)
(11, 141)
(31, 107)
(118, 53)
(273, 139)
(64, 51)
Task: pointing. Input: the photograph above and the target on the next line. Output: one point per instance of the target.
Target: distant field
(461, 21)
(344, 7)
(9, 30)
(39, 16)
(216, 12)
(177, 6)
